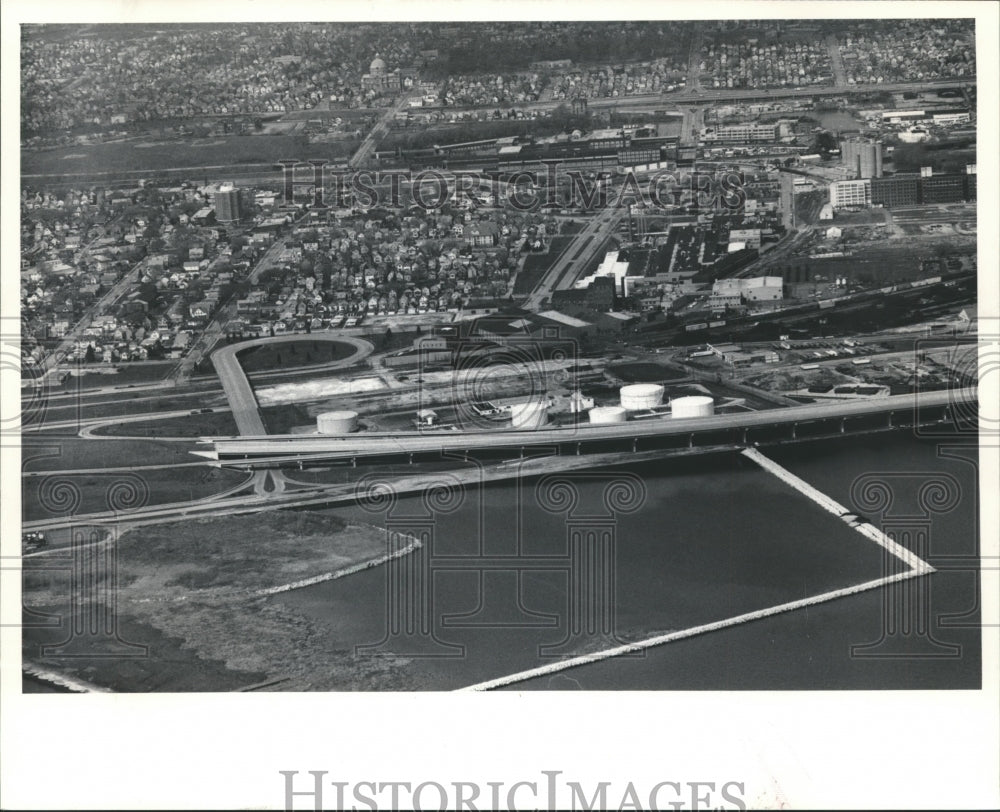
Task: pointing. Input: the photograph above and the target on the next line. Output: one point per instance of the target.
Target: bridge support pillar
(889, 420)
(635, 444)
(578, 449)
(795, 427)
(746, 435)
(354, 462)
(691, 440)
(843, 425)
(411, 459)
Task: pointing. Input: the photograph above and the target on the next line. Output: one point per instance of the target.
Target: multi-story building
(742, 133)
(380, 80)
(227, 204)
(958, 117)
(942, 188)
(851, 194)
(863, 156)
(970, 182)
(926, 187)
(896, 190)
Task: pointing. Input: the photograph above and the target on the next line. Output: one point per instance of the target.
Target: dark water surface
(691, 542)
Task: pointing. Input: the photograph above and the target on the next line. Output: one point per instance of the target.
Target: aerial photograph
(499, 356)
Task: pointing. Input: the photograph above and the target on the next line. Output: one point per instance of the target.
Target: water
(835, 120)
(715, 537)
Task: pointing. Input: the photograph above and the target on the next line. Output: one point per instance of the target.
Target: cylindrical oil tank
(692, 406)
(608, 414)
(641, 396)
(528, 415)
(337, 422)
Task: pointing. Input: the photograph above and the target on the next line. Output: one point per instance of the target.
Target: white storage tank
(608, 414)
(692, 406)
(337, 422)
(528, 415)
(641, 396)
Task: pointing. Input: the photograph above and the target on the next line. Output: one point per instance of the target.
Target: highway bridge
(772, 426)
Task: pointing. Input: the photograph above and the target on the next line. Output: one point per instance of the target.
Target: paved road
(237, 387)
(213, 332)
(573, 259)
(836, 61)
(693, 84)
(371, 444)
(378, 132)
(96, 422)
(229, 503)
(123, 285)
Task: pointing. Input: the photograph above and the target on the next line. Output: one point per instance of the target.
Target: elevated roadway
(237, 387)
(631, 437)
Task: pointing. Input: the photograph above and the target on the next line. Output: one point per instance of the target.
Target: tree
(388, 337)
(90, 356)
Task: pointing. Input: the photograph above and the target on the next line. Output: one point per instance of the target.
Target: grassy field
(292, 354)
(63, 494)
(136, 372)
(51, 453)
(645, 372)
(282, 419)
(129, 403)
(192, 425)
(152, 154)
(186, 590)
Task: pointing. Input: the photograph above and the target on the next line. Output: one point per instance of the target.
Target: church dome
(377, 65)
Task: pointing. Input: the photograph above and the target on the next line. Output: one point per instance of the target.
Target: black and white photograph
(497, 362)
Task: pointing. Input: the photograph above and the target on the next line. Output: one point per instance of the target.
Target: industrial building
(851, 194)
(611, 267)
(895, 190)
(740, 238)
(909, 189)
(734, 292)
(941, 188)
(786, 199)
(745, 133)
(863, 156)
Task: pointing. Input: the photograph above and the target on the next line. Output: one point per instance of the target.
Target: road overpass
(237, 387)
(633, 437)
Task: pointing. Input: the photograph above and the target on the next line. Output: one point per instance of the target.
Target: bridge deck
(371, 444)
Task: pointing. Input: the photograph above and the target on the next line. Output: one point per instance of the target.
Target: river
(711, 538)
